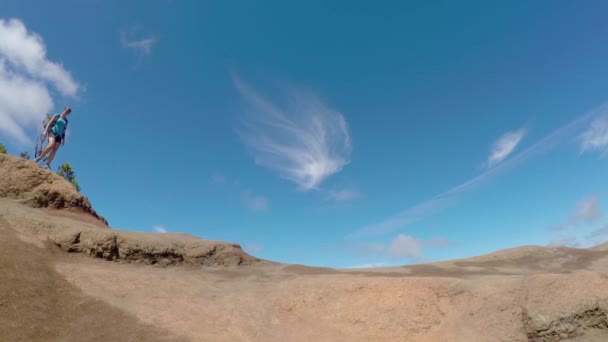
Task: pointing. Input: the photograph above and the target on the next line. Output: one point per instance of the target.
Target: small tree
(3, 149)
(65, 170)
(25, 155)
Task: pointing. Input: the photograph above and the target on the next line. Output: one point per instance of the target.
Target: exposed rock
(37, 187)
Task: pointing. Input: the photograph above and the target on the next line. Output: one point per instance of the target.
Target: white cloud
(503, 147)
(141, 47)
(160, 229)
(564, 241)
(401, 246)
(439, 202)
(596, 136)
(26, 51)
(25, 77)
(305, 142)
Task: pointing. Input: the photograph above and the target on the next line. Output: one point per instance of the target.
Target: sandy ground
(524, 294)
(38, 304)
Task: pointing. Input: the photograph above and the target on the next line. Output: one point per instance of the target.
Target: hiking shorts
(57, 138)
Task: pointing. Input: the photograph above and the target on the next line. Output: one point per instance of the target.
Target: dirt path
(38, 304)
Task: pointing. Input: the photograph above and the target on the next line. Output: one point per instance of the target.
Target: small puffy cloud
(588, 211)
(405, 246)
(400, 247)
(369, 265)
(160, 229)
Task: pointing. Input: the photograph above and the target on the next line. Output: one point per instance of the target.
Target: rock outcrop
(27, 182)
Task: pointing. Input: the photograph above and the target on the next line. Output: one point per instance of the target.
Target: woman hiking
(55, 129)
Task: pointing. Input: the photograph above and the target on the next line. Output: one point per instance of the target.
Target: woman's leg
(52, 155)
(48, 148)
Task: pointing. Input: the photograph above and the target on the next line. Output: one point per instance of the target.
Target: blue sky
(339, 134)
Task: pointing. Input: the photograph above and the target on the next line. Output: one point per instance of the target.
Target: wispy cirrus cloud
(142, 47)
(26, 79)
(443, 200)
(504, 146)
(304, 140)
(408, 216)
